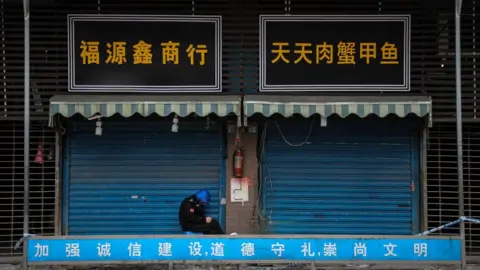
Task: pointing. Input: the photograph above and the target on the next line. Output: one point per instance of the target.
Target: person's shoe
(234, 233)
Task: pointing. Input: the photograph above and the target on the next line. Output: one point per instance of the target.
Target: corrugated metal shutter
(132, 179)
(342, 180)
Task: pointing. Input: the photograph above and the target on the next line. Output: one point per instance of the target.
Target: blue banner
(243, 249)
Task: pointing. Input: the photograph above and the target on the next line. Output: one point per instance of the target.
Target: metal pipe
(58, 194)
(26, 120)
(424, 184)
(458, 71)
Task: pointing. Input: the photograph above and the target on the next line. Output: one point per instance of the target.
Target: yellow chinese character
(346, 53)
(170, 52)
(90, 53)
(389, 54)
(142, 53)
(303, 52)
(368, 50)
(280, 51)
(325, 51)
(116, 53)
(201, 50)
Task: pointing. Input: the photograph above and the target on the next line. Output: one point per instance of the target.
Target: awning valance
(343, 106)
(126, 105)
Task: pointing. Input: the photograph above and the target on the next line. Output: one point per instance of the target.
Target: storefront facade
(131, 178)
(357, 163)
(353, 172)
(348, 157)
(345, 179)
(320, 159)
(133, 157)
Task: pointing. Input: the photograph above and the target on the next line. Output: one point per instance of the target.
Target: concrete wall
(240, 218)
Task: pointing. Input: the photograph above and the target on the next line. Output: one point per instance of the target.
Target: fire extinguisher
(238, 161)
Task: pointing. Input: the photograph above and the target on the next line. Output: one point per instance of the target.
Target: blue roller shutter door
(132, 179)
(341, 181)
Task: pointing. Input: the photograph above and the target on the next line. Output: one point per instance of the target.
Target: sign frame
(264, 87)
(72, 87)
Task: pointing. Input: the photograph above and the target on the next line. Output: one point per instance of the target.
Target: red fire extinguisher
(238, 160)
(238, 163)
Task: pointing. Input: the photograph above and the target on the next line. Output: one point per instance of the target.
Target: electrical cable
(261, 161)
(304, 141)
(260, 151)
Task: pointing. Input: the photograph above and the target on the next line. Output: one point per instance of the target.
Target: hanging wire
(261, 148)
(261, 151)
(304, 141)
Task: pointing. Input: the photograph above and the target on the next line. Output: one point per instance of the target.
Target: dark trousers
(207, 228)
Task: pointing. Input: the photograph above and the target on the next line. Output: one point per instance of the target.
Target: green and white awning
(128, 105)
(343, 106)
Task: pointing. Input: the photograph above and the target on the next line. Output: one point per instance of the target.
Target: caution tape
(21, 240)
(458, 221)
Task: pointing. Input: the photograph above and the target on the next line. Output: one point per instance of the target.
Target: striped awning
(343, 106)
(128, 105)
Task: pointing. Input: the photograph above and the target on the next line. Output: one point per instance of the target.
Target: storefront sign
(238, 248)
(121, 53)
(334, 53)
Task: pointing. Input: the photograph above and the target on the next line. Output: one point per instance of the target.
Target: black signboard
(334, 53)
(124, 53)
